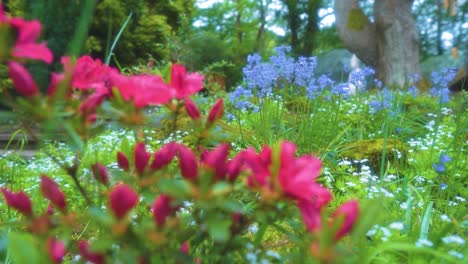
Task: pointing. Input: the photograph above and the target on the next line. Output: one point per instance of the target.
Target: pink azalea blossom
(143, 90)
(185, 84)
(27, 34)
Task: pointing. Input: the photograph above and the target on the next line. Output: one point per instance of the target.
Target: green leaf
(218, 228)
(175, 187)
(22, 248)
(221, 188)
(426, 221)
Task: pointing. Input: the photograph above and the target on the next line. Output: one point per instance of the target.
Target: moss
(373, 150)
(357, 20)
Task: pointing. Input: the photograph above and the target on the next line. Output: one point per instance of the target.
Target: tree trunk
(311, 26)
(390, 44)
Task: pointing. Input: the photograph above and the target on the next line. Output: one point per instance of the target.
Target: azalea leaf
(18, 244)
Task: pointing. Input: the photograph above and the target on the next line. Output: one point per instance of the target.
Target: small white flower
(453, 239)
(424, 242)
(445, 218)
(456, 254)
(397, 226)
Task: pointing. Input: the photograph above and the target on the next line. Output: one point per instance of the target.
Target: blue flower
(444, 158)
(439, 167)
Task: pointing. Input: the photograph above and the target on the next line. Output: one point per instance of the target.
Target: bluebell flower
(444, 158)
(443, 186)
(413, 91)
(439, 167)
(440, 82)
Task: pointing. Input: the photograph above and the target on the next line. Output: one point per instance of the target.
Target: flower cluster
(137, 207)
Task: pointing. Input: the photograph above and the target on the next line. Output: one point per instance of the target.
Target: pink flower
(22, 80)
(162, 209)
(20, 201)
(51, 191)
(188, 163)
(89, 73)
(142, 157)
(90, 104)
(122, 199)
(27, 34)
(100, 173)
(234, 167)
(216, 112)
(185, 248)
(143, 90)
(191, 109)
(164, 156)
(185, 84)
(349, 211)
(95, 258)
(123, 161)
(56, 249)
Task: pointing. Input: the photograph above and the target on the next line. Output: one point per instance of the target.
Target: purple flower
(444, 158)
(439, 167)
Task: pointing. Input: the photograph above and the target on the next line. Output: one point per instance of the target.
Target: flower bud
(350, 211)
(216, 112)
(122, 160)
(56, 250)
(141, 157)
(192, 109)
(187, 163)
(100, 173)
(22, 80)
(20, 201)
(51, 191)
(122, 199)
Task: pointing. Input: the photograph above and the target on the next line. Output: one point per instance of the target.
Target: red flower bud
(122, 198)
(20, 201)
(122, 161)
(192, 109)
(216, 112)
(22, 80)
(350, 211)
(187, 163)
(95, 258)
(234, 167)
(216, 159)
(56, 250)
(51, 191)
(164, 156)
(184, 248)
(100, 173)
(141, 157)
(162, 209)
(55, 80)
